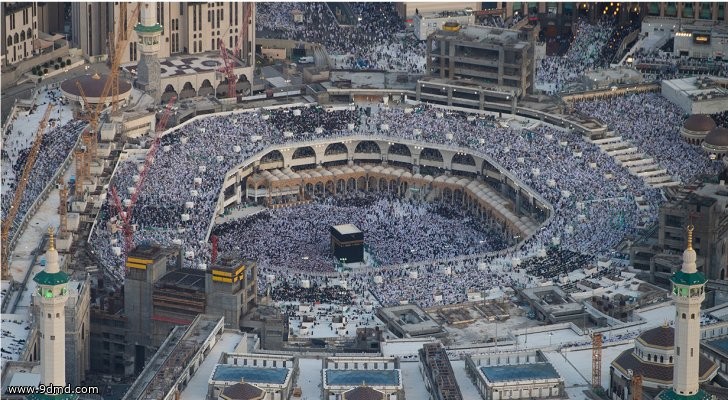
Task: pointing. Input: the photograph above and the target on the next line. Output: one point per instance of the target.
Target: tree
(59, 59)
(68, 61)
(45, 71)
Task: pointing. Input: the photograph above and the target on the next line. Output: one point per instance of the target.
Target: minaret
(688, 290)
(149, 32)
(51, 297)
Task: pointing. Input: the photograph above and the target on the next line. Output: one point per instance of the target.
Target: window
(10, 40)
(49, 315)
(58, 315)
(691, 352)
(692, 316)
(684, 316)
(678, 350)
(53, 337)
(673, 221)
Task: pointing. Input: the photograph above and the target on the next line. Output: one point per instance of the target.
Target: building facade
(19, 30)
(187, 28)
(232, 288)
(500, 58)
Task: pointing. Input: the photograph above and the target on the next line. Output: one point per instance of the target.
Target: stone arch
(340, 186)
(242, 86)
(350, 185)
(446, 194)
(272, 156)
(169, 92)
(330, 188)
(15, 38)
(367, 146)
(206, 88)
(187, 91)
(319, 188)
(399, 149)
(335, 148)
(372, 184)
(361, 183)
(303, 152)
(222, 88)
(29, 35)
(382, 185)
(465, 159)
(22, 36)
(431, 154)
(10, 40)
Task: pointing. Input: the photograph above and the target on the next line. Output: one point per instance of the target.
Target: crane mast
(18, 197)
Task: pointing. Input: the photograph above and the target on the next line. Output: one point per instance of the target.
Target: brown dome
(717, 137)
(93, 86)
(699, 123)
(662, 336)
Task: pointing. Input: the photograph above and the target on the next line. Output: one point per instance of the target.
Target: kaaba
(347, 243)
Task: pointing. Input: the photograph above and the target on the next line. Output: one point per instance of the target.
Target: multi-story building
(19, 29)
(187, 27)
(705, 207)
(498, 58)
(427, 23)
(159, 295)
(231, 288)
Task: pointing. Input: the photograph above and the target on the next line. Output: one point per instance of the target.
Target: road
(25, 90)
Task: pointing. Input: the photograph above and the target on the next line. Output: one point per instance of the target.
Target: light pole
(550, 335)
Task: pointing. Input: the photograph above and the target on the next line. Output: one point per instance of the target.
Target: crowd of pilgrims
(652, 123)
(593, 197)
(593, 46)
(375, 42)
(58, 140)
(396, 231)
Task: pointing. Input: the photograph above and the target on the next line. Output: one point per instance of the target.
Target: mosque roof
(93, 86)
(699, 123)
(242, 391)
(662, 336)
(659, 372)
(718, 137)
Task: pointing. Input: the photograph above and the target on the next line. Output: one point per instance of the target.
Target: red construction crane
(214, 239)
(228, 68)
(126, 215)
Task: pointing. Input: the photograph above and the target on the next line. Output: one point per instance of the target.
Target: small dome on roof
(717, 137)
(699, 123)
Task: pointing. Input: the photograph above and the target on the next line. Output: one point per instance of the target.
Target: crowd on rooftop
(374, 40)
(58, 140)
(652, 123)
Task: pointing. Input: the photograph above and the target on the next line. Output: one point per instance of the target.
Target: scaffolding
(63, 208)
(441, 372)
(597, 360)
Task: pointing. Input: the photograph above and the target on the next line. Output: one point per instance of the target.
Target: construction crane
(597, 360)
(228, 68)
(89, 138)
(83, 114)
(18, 196)
(62, 208)
(213, 256)
(125, 215)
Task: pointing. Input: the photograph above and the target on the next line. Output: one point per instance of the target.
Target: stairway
(637, 163)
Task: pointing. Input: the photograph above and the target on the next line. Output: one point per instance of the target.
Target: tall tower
(149, 32)
(688, 290)
(51, 296)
